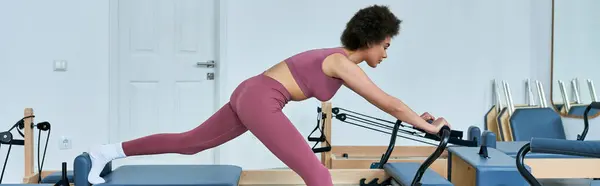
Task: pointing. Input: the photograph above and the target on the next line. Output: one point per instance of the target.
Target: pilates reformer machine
(32, 176)
(364, 157)
(464, 160)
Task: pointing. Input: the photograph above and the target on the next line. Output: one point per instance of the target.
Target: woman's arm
(356, 79)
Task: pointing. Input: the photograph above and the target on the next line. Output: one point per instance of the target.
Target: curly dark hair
(368, 26)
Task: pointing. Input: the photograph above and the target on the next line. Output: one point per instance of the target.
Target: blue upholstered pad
(474, 133)
(572, 147)
(536, 122)
(511, 148)
(404, 173)
(595, 183)
(159, 175)
(488, 139)
(56, 176)
(174, 175)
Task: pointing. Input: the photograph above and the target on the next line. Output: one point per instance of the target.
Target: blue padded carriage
(404, 173)
(57, 176)
(159, 175)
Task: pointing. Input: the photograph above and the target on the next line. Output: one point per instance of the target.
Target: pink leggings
(254, 106)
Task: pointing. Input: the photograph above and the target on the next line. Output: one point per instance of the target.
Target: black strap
(322, 149)
(320, 121)
(321, 138)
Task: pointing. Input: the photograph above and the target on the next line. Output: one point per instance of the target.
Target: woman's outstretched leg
(221, 127)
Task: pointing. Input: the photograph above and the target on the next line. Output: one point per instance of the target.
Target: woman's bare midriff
(281, 73)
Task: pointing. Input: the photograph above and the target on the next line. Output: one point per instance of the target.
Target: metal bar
(575, 87)
(565, 96)
(530, 93)
(541, 94)
(508, 98)
(499, 105)
(592, 90)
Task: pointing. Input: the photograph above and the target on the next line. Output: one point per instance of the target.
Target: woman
(256, 104)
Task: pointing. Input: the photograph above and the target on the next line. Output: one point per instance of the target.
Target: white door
(161, 87)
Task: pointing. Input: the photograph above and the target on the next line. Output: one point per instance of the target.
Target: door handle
(208, 64)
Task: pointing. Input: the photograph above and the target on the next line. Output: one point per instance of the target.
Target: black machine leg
(64, 181)
(374, 182)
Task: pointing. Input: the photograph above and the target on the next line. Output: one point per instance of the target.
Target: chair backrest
(536, 122)
(490, 122)
(501, 121)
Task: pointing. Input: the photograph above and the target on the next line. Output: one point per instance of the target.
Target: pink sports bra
(306, 68)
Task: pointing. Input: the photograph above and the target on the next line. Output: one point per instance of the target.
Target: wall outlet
(60, 65)
(64, 143)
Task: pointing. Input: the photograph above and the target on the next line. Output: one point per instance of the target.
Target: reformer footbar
(424, 167)
(400, 172)
(586, 124)
(7, 138)
(405, 173)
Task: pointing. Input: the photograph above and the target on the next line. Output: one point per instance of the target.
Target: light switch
(60, 65)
